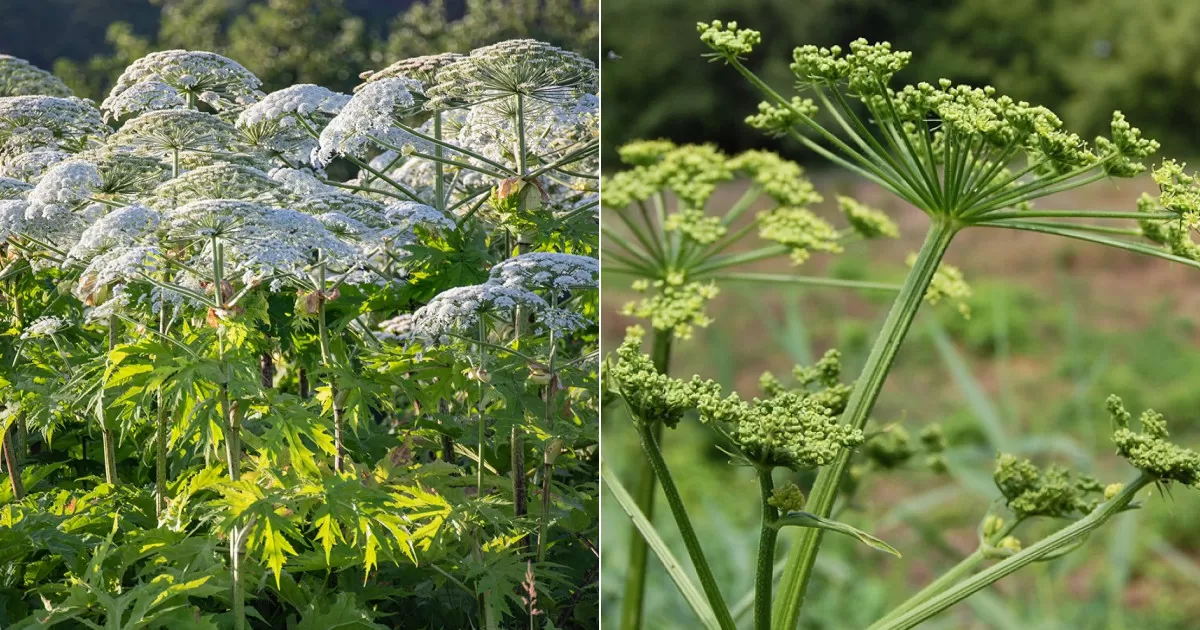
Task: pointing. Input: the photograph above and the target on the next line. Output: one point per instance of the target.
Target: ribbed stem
(764, 572)
(106, 434)
(633, 599)
(795, 578)
(13, 464)
(690, 540)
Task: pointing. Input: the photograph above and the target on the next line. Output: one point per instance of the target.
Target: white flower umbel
(547, 270)
(217, 181)
(108, 271)
(29, 166)
(456, 312)
(260, 240)
(366, 118)
(406, 215)
(21, 78)
(520, 66)
(44, 327)
(218, 81)
(422, 69)
(66, 184)
(122, 227)
(161, 132)
(146, 96)
(305, 100)
(49, 122)
(304, 192)
(12, 217)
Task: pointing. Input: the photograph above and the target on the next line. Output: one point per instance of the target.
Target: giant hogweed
(179, 268)
(967, 157)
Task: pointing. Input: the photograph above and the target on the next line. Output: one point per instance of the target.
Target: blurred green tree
(325, 42)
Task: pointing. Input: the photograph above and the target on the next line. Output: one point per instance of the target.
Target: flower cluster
(524, 67)
(1054, 492)
(678, 308)
(190, 75)
(795, 429)
(651, 395)
(512, 287)
(948, 284)
(21, 78)
(1149, 449)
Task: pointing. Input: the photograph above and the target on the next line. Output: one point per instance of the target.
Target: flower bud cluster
(1149, 449)
(867, 221)
(1055, 491)
(677, 307)
(800, 230)
(21, 78)
(789, 428)
(727, 40)
(778, 120)
(1174, 234)
(948, 284)
(867, 67)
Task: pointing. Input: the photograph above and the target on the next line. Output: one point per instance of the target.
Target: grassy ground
(1056, 326)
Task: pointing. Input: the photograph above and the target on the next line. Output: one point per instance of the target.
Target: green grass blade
(689, 590)
(982, 407)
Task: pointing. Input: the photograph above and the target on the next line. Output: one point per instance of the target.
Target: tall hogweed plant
(966, 157)
(301, 359)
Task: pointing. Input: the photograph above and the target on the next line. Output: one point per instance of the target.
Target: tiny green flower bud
(787, 498)
(1010, 543)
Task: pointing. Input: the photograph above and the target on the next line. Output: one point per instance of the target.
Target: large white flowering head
(367, 119)
(460, 312)
(109, 272)
(12, 217)
(121, 228)
(201, 76)
(165, 131)
(406, 216)
(21, 78)
(66, 184)
(423, 69)
(47, 122)
(123, 176)
(147, 96)
(273, 123)
(30, 166)
(58, 224)
(217, 181)
(524, 67)
(43, 327)
(260, 241)
(304, 192)
(547, 271)
(307, 100)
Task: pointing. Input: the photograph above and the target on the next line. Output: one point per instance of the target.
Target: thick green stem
(635, 582)
(866, 390)
(160, 434)
(964, 568)
(12, 463)
(1045, 548)
(232, 443)
(548, 459)
(764, 573)
(708, 582)
(106, 434)
(339, 441)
